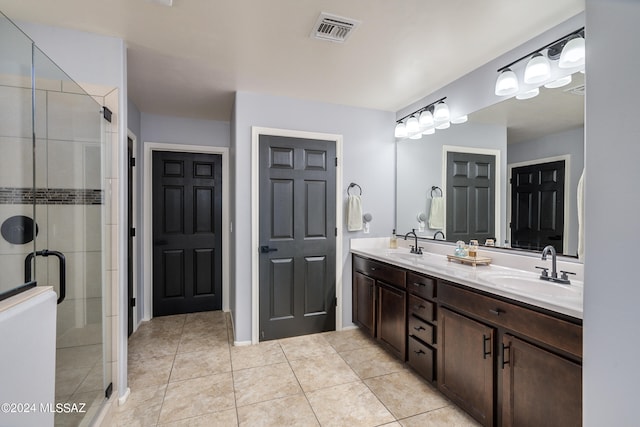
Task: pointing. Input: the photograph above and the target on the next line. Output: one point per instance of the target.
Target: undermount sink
(532, 285)
(404, 255)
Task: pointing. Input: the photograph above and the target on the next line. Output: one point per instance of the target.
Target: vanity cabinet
(379, 303)
(496, 354)
(421, 329)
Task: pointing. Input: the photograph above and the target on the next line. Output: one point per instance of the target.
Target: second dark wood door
(187, 232)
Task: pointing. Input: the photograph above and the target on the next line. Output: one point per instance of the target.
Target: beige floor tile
(323, 371)
(371, 362)
(197, 397)
(149, 372)
(255, 385)
(202, 339)
(200, 363)
(450, 416)
(142, 408)
(159, 346)
(287, 411)
(227, 418)
(405, 395)
(83, 356)
(69, 378)
(350, 404)
(351, 339)
(251, 356)
(306, 346)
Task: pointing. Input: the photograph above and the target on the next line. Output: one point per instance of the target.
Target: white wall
(368, 159)
(612, 294)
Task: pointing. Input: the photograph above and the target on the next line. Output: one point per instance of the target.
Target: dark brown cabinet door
(391, 326)
(539, 387)
(363, 302)
(465, 364)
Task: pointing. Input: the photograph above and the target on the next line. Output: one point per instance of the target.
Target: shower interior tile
(73, 117)
(16, 162)
(65, 164)
(94, 310)
(15, 80)
(66, 227)
(92, 165)
(93, 275)
(75, 277)
(12, 267)
(16, 114)
(93, 226)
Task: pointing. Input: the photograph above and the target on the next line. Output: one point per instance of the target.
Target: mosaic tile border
(50, 196)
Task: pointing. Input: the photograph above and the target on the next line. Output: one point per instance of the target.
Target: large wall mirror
(525, 199)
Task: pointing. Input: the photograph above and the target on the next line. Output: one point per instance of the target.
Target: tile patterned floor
(183, 372)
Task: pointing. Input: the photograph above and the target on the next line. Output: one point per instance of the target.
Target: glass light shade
(460, 120)
(538, 69)
(444, 125)
(426, 120)
(416, 136)
(429, 131)
(441, 113)
(507, 83)
(412, 126)
(562, 81)
(401, 130)
(528, 94)
(572, 54)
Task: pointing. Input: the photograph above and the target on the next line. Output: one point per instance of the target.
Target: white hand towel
(354, 213)
(436, 213)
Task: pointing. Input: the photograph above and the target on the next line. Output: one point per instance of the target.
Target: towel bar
(434, 188)
(353, 184)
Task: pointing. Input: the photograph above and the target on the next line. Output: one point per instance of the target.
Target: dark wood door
(187, 232)
(297, 236)
(391, 326)
(465, 364)
(537, 206)
(539, 387)
(131, 234)
(364, 302)
(470, 197)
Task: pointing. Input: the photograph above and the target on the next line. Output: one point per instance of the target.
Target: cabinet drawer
(552, 331)
(421, 285)
(421, 359)
(380, 271)
(421, 330)
(421, 308)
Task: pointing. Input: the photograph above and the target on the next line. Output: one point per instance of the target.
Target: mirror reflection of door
(537, 206)
(470, 197)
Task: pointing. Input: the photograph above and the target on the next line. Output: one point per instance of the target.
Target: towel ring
(353, 184)
(434, 188)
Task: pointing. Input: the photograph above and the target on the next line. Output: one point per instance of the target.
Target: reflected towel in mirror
(436, 213)
(354, 213)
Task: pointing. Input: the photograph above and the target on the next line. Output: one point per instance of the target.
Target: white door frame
(446, 149)
(567, 182)
(149, 148)
(255, 214)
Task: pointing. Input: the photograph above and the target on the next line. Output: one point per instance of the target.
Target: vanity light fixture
(528, 94)
(562, 81)
(424, 121)
(569, 51)
(460, 120)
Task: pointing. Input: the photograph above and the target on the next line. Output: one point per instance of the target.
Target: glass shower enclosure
(52, 217)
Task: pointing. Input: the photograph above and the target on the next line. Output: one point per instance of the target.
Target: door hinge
(132, 162)
(335, 302)
(132, 232)
(106, 113)
(336, 231)
(133, 302)
(336, 161)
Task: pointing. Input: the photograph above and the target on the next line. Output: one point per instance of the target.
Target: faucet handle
(565, 275)
(419, 251)
(413, 249)
(545, 271)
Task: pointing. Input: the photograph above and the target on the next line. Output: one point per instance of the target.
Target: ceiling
(188, 60)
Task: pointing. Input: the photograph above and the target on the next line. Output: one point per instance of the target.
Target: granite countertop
(520, 285)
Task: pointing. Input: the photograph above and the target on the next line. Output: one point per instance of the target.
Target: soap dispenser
(393, 240)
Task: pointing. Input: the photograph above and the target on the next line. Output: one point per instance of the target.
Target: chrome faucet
(554, 273)
(414, 249)
(436, 235)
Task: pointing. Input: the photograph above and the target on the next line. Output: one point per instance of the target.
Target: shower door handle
(62, 263)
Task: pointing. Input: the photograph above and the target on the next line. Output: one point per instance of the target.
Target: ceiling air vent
(333, 28)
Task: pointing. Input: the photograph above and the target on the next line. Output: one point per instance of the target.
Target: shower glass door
(52, 163)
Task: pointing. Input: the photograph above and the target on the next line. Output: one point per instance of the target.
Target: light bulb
(426, 119)
(416, 136)
(412, 126)
(401, 130)
(562, 81)
(573, 53)
(444, 125)
(538, 69)
(460, 120)
(528, 94)
(507, 83)
(441, 113)
(429, 131)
